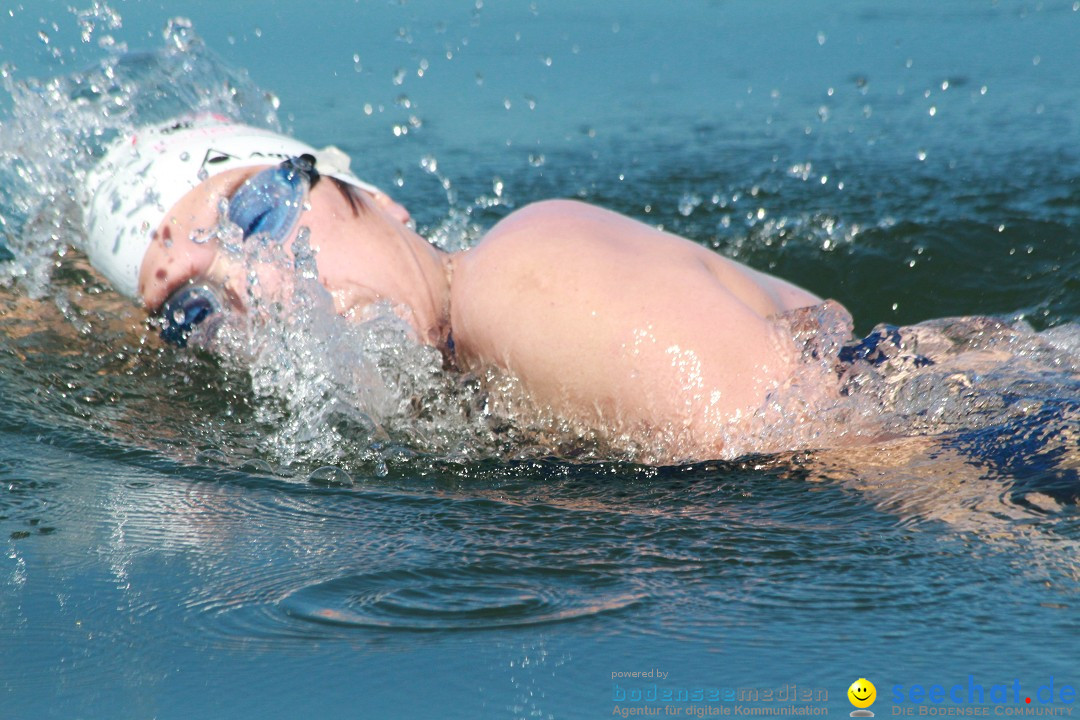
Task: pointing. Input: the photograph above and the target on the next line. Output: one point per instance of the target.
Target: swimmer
(604, 320)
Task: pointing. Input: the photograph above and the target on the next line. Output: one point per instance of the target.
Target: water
(183, 536)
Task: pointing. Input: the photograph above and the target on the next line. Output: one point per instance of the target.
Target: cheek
(342, 269)
(339, 255)
(169, 263)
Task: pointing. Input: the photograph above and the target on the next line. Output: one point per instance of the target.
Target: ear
(387, 204)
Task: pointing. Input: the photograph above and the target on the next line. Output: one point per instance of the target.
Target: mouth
(857, 697)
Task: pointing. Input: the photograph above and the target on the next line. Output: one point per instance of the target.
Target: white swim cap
(143, 175)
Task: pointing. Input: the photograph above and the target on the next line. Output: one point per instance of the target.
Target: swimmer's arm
(577, 225)
(766, 294)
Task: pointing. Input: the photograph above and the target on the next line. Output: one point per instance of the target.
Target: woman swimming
(602, 319)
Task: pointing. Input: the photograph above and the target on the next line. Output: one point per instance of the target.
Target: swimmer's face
(362, 253)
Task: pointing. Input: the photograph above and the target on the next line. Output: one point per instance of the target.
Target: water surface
(182, 536)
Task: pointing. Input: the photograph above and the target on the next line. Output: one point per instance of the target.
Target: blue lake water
(184, 536)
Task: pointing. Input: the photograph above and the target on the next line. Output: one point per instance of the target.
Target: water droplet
(304, 256)
(43, 36)
(330, 476)
(688, 203)
(536, 159)
(506, 103)
(430, 164)
(921, 155)
(932, 111)
(210, 457)
(185, 156)
(399, 76)
(821, 38)
(497, 186)
(256, 466)
(403, 101)
(368, 109)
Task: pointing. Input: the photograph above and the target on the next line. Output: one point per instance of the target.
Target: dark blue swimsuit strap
(874, 348)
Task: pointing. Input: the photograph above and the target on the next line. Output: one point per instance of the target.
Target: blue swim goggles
(268, 206)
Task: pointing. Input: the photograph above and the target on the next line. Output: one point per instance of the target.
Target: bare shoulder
(577, 238)
(603, 317)
(557, 213)
(552, 226)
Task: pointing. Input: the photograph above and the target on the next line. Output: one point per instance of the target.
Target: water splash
(58, 127)
(323, 390)
(99, 16)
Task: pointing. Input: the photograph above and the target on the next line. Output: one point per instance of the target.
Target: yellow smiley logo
(862, 693)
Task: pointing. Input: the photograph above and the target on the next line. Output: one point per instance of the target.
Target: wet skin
(605, 320)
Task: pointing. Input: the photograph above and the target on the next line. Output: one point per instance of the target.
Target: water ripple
(464, 598)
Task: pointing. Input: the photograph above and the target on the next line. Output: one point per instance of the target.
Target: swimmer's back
(602, 315)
